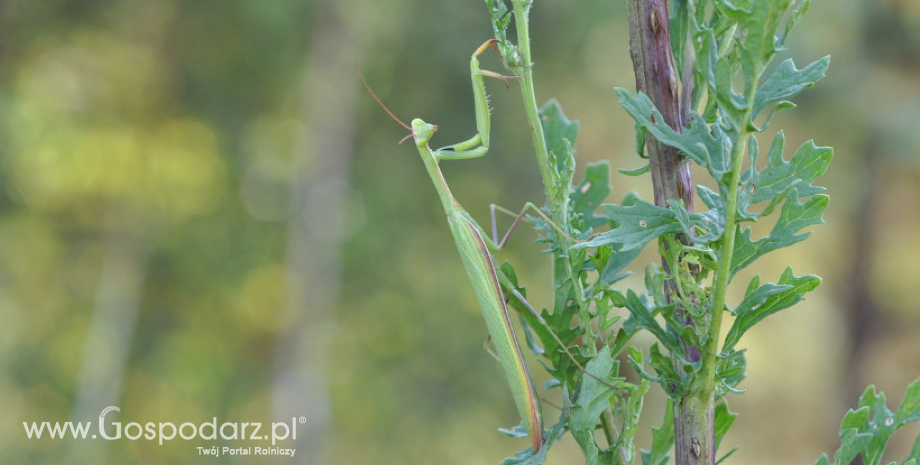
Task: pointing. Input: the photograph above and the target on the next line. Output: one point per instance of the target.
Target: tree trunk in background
(650, 49)
(108, 340)
(315, 231)
(862, 312)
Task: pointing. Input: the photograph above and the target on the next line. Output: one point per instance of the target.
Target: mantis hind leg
(497, 244)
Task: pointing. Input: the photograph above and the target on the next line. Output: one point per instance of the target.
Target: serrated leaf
(914, 455)
(757, 28)
(880, 425)
(852, 442)
(797, 15)
(806, 165)
(787, 81)
(724, 418)
(557, 127)
(637, 222)
(593, 400)
(793, 217)
(730, 371)
(866, 431)
(708, 146)
(673, 384)
(624, 448)
(662, 439)
(634, 358)
(501, 18)
(767, 300)
(641, 316)
(591, 192)
(613, 270)
(529, 456)
(909, 411)
(559, 133)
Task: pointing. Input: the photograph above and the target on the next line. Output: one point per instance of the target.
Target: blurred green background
(203, 214)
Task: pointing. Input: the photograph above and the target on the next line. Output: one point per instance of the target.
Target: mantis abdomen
(481, 270)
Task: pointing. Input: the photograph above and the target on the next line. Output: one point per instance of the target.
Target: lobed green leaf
(662, 440)
(778, 176)
(793, 217)
(787, 81)
(591, 192)
(593, 400)
(767, 300)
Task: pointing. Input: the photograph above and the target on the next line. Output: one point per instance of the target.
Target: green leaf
(787, 81)
(852, 442)
(593, 400)
(730, 371)
(866, 431)
(634, 358)
(793, 217)
(767, 300)
(501, 18)
(806, 165)
(635, 172)
(757, 28)
(559, 133)
(624, 449)
(557, 128)
(724, 418)
(673, 384)
(641, 316)
(591, 192)
(529, 456)
(637, 222)
(797, 15)
(662, 439)
(914, 455)
(508, 270)
(613, 269)
(708, 146)
(679, 25)
(909, 411)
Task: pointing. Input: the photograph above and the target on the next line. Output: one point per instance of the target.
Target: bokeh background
(203, 214)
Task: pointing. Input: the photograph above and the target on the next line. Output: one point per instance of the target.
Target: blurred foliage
(175, 125)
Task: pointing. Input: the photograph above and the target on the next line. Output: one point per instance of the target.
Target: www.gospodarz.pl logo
(166, 431)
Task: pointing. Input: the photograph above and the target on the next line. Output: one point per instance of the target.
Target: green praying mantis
(474, 245)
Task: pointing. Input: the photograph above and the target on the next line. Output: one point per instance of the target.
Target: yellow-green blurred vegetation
(202, 214)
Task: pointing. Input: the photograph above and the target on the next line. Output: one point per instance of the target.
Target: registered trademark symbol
(303, 420)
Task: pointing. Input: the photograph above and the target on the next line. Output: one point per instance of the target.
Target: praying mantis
(474, 245)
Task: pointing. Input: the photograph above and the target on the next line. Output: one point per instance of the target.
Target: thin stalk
(521, 11)
(711, 351)
(557, 212)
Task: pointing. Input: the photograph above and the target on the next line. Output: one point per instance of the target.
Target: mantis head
(422, 131)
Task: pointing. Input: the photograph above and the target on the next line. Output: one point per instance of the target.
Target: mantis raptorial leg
(473, 245)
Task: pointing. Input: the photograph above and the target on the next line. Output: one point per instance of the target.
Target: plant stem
(723, 274)
(558, 213)
(521, 12)
(650, 49)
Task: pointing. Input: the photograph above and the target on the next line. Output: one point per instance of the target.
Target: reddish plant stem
(650, 49)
